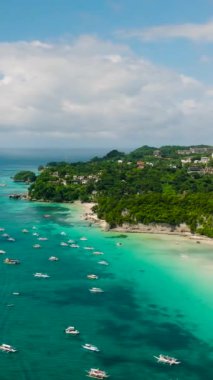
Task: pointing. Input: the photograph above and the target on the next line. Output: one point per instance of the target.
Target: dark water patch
(76, 295)
(153, 306)
(114, 360)
(120, 332)
(180, 315)
(164, 308)
(122, 303)
(170, 336)
(166, 315)
(116, 237)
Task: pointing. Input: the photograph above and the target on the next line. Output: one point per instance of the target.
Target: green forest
(148, 185)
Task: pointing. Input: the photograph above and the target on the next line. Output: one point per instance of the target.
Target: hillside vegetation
(148, 185)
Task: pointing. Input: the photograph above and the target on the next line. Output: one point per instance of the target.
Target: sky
(106, 73)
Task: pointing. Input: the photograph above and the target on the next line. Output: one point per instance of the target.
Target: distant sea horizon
(41, 156)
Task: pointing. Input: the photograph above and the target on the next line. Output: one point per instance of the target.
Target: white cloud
(95, 93)
(192, 32)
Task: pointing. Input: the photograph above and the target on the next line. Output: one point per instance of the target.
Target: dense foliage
(24, 176)
(158, 189)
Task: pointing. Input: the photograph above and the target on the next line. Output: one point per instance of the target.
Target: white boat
(92, 276)
(165, 359)
(25, 231)
(42, 238)
(11, 239)
(16, 293)
(11, 261)
(90, 347)
(70, 241)
(2, 229)
(53, 258)
(98, 253)
(5, 235)
(7, 348)
(36, 246)
(71, 330)
(83, 238)
(103, 262)
(63, 244)
(41, 275)
(96, 290)
(2, 252)
(119, 244)
(96, 373)
(89, 248)
(74, 246)
(35, 234)
(63, 233)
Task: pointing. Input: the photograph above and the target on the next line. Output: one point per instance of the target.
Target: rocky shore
(153, 228)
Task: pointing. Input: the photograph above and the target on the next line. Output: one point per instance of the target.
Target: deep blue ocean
(157, 295)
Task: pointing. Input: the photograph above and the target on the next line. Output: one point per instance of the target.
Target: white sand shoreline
(155, 229)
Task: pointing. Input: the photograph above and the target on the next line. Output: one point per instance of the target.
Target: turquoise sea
(157, 297)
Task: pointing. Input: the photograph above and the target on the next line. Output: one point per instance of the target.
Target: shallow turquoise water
(157, 299)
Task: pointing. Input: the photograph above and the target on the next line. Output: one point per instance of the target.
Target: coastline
(155, 229)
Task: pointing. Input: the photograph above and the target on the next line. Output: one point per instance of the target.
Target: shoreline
(155, 229)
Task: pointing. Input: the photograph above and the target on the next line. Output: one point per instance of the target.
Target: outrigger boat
(11, 239)
(11, 261)
(41, 275)
(90, 347)
(74, 245)
(96, 290)
(96, 373)
(7, 348)
(71, 330)
(53, 258)
(92, 276)
(166, 359)
(103, 262)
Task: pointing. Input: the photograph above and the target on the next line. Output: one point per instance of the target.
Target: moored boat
(63, 244)
(53, 258)
(71, 330)
(103, 262)
(96, 290)
(96, 373)
(41, 275)
(11, 239)
(165, 359)
(92, 276)
(90, 347)
(11, 261)
(7, 348)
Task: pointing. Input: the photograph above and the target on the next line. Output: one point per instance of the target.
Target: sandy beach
(156, 229)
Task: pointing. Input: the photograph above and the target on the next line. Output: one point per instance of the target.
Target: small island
(167, 188)
(24, 176)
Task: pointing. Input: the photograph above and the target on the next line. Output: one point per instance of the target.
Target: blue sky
(161, 50)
